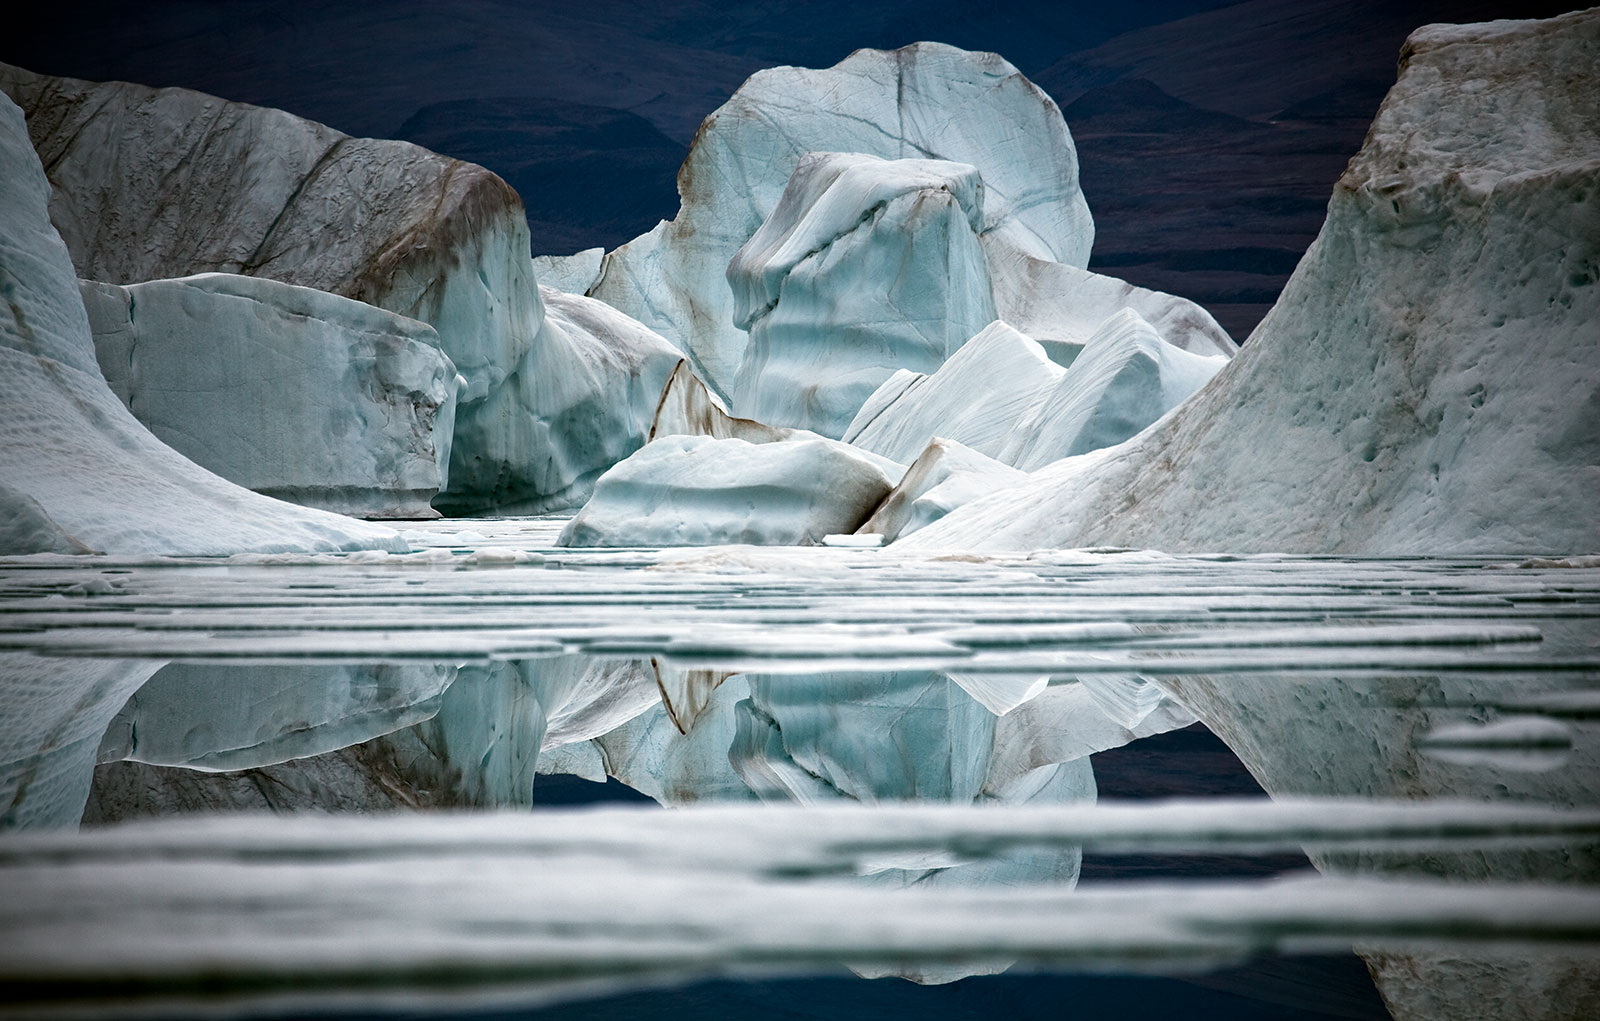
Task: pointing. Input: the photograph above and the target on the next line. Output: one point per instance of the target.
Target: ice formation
(976, 398)
(925, 101)
(946, 475)
(1125, 378)
(1057, 303)
(688, 408)
(157, 183)
(1428, 380)
(292, 392)
(700, 491)
(77, 470)
(865, 266)
(587, 393)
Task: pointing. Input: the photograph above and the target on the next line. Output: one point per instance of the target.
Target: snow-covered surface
(1125, 378)
(587, 393)
(1427, 381)
(1055, 301)
(701, 491)
(946, 475)
(158, 183)
(864, 267)
(77, 470)
(925, 101)
(292, 392)
(977, 398)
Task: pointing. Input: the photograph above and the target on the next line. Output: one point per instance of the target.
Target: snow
(977, 398)
(1427, 381)
(289, 391)
(696, 490)
(81, 470)
(865, 266)
(159, 183)
(927, 100)
(1125, 378)
(946, 475)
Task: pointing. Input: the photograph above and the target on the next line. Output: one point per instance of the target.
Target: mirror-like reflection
(761, 681)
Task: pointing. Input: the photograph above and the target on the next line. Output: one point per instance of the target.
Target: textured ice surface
(976, 398)
(865, 266)
(1125, 378)
(689, 408)
(946, 475)
(1061, 303)
(587, 393)
(77, 470)
(925, 101)
(1428, 380)
(292, 392)
(157, 183)
(573, 274)
(699, 491)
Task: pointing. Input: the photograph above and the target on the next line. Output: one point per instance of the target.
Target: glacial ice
(77, 470)
(1428, 379)
(977, 398)
(1125, 378)
(688, 408)
(1054, 302)
(865, 266)
(946, 475)
(700, 491)
(296, 393)
(926, 101)
(158, 183)
(586, 394)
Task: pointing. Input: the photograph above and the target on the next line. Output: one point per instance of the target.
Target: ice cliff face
(292, 392)
(925, 101)
(582, 399)
(1430, 378)
(864, 267)
(157, 183)
(77, 470)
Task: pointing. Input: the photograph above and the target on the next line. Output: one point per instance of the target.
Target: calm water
(983, 774)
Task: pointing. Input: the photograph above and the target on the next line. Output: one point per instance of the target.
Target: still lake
(1108, 783)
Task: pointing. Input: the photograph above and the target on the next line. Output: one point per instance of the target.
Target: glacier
(864, 267)
(702, 491)
(78, 472)
(946, 475)
(293, 392)
(924, 101)
(1428, 379)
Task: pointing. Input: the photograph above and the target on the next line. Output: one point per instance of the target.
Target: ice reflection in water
(813, 678)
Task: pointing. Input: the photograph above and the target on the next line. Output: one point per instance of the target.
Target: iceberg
(77, 471)
(977, 398)
(688, 408)
(303, 395)
(1429, 379)
(701, 491)
(1126, 377)
(152, 184)
(587, 393)
(865, 266)
(946, 475)
(926, 101)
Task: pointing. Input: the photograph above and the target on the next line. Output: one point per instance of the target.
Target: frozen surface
(292, 392)
(1061, 303)
(1125, 378)
(77, 470)
(925, 101)
(977, 398)
(699, 491)
(157, 183)
(1428, 380)
(588, 392)
(946, 475)
(865, 266)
